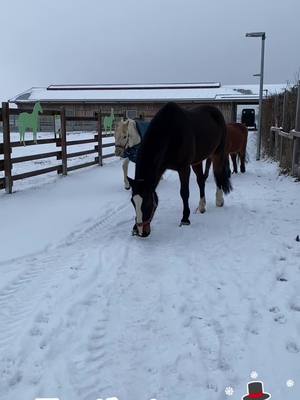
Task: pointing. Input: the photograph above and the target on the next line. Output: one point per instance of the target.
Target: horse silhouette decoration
(29, 121)
(109, 121)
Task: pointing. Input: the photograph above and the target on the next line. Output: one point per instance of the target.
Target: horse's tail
(221, 165)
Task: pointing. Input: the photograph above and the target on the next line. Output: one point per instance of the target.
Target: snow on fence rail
(62, 143)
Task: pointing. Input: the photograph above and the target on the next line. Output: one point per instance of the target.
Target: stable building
(137, 99)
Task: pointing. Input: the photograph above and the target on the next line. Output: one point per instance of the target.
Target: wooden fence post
(284, 110)
(272, 143)
(276, 111)
(63, 141)
(100, 148)
(296, 140)
(7, 148)
(284, 122)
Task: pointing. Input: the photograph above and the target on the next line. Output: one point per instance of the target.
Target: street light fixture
(262, 35)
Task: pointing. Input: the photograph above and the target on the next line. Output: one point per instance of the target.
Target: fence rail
(62, 143)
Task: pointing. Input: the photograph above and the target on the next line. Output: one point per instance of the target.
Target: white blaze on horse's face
(138, 200)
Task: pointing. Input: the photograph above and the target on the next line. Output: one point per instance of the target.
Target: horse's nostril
(145, 234)
(146, 230)
(135, 231)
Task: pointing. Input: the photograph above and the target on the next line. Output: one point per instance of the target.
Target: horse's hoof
(127, 188)
(185, 223)
(200, 210)
(221, 204)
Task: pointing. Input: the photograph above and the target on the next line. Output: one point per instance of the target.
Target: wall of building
(147, 110)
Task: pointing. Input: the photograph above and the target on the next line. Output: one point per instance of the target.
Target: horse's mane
(155, 143)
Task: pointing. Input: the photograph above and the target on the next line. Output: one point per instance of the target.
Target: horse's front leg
(184, 176)
(125, 172)
(201, 178)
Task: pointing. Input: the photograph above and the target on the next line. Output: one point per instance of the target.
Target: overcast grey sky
(144, 41)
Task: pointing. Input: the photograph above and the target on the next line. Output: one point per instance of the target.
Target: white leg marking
(125, 171)
(219, 198)
(137, 199)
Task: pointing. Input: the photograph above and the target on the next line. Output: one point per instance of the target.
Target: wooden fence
(62, 143)
(281, 130)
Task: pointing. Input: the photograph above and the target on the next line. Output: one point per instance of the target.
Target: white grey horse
(127, 139)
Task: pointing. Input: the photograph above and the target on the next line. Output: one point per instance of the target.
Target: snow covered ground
(87, 311)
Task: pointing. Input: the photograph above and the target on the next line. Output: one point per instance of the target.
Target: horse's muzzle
(141, 231)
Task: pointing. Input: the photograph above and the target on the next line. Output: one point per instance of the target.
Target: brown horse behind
(237, 136)
(237, 144)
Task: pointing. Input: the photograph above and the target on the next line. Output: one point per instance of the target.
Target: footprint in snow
(295, 306)
(281, 319)
(35, 331)
(212, 386)
(292, 347)
(274, 309)
(281, 278)
(42, 318)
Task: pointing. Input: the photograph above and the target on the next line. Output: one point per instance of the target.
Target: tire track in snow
(20, 299)
(88, 367)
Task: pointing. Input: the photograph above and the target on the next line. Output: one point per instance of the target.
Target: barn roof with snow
(113, 93)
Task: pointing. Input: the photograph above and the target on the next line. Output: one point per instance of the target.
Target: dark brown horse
(237, 136)
(178, 139)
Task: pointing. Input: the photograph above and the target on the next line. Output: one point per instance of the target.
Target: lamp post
(262, 35)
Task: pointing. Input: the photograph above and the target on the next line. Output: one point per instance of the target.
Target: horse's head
(126, 135)
(121, 137)
(145, 201)
(38, 107)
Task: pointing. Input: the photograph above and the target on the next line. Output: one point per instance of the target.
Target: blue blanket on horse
(131, 152)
